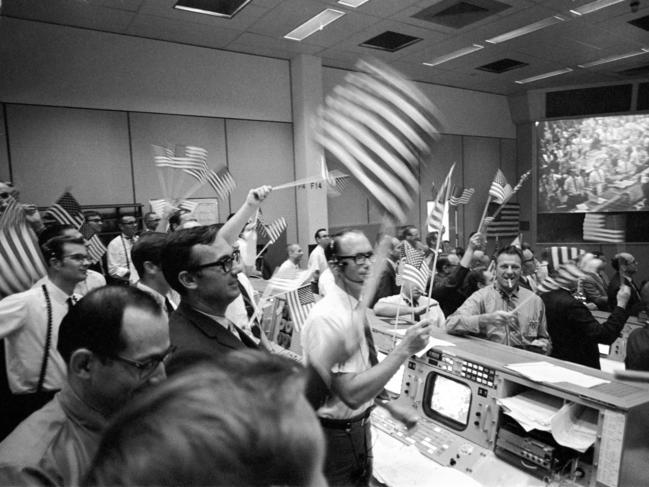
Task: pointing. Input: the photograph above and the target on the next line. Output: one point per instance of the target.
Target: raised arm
(232, 228)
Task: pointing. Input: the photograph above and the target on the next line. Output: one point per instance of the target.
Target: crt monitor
(447, 400)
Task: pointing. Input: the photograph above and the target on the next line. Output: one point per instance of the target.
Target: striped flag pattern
(67, 210)
(188, 205)
(413, 269)
(284, 282)
(499, 189)
(222, 182)
(567, 276)
(300, 303)
(463, 198)
(560, 255)
(275, 229)
(601, 228)
(21, 263)
(435, 219)
(506, 224)
(189, 159)
(379, 126)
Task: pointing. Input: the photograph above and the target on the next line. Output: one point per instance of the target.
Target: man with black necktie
(118, 256)
(625, 265)
(357, 379)
(29, 322)
(146, 256)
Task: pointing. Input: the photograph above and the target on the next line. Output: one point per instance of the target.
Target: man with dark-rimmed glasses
(115, 343)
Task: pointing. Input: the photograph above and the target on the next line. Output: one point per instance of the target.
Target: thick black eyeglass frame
(225, 263)
(359, 258)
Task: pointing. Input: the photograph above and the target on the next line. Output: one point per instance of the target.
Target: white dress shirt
(23, 325)
(118, 258)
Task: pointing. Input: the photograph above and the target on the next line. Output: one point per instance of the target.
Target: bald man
(295, 254)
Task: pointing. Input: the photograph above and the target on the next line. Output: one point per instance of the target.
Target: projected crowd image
(598, 164)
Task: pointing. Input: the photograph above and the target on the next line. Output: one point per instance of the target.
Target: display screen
(597, 164)
(448, 400)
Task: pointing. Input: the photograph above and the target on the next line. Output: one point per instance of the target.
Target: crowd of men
(165, 376)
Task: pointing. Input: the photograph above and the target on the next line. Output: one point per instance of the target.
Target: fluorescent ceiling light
(611, 59)
(541, 24)
(594, 6)
(352, 3)
(543, 76)
(314, 24)
(454, 55)
(227, 9)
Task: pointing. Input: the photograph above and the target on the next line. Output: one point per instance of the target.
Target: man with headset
(342, 316)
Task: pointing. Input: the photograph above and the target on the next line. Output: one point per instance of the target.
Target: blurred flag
(188, 205)
(284, 282)
(300, 303)
(563, 255)
(275, 229)
(222, 182)
(604, 228)
(463, 197)
(21, 263)
(379, 126)
(190, 159)
(567, 277)
(499, 189)
(506, 223)
(67, 210)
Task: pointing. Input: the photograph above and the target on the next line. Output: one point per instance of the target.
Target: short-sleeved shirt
(335, 317)
(435, 313)
(531, 322)
(317, 260)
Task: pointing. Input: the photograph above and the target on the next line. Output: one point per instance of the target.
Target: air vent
(637, 71)
(641, 23)
(390, 41)
(459, 14)
(502, 65)
(217, 8)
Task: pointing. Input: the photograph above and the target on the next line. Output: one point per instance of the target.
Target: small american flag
(563, 255)
(222, 182)
(463, 198)
(67, 210)
(413, 269)
(21, 263)
(275, 229)
(300, 303)
(286, 281)
(499, 189)
(435, 220)
(507, 223)
(567, 276)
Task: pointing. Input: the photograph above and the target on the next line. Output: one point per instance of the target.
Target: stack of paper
(550, 373)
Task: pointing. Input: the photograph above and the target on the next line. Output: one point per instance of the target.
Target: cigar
(509, 282)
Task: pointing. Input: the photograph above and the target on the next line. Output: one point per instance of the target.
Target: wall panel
(5, 173)
(481, 160)
(262, 153)
(86, 151)
(147, 129)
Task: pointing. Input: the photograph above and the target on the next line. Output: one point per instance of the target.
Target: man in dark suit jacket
(626, 265)
(574, 331)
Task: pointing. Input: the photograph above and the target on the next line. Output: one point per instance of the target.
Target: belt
(345, 424)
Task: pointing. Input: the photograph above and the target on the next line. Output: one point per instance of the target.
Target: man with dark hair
(317, 263)
(114, 343)
(151, 221)
(637, 344)
(118, 256)
(200, 266)
(504, 312)
(243, 421)
(147, 255)
(625, 265)
(29, 323)
(359, 378)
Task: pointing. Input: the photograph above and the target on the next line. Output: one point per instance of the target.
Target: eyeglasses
(78, 257)
(360, 258)
(94, 220)
(129, 223)
(147, 367)
(225, 263)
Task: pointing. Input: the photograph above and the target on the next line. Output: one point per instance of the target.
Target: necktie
(250, 309)
(370, 343)
(233, 329)
(71, 301)
(169, 307)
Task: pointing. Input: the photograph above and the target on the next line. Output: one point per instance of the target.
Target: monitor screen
(447, 400)
(596, 164)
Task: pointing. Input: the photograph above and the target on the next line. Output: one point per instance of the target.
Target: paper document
(550, 373)
(434, 342)
(532, 409)
(575, 426)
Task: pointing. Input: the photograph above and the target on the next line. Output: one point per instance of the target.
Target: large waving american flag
(21, 263)
(379, 126)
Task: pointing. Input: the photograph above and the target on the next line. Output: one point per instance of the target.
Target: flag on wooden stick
(300, 303)
(462, 197)
(500, 188)
(379, 126)
(221, 182)
(436, 216)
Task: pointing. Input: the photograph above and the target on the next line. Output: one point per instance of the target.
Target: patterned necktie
(247, 302)
(370, 343)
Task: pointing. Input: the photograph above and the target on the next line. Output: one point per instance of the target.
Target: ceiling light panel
(611, 59)
(541, 24)
(223, 8)
(594, 6)
(352, 3)
(543, 76)
(314, 24)
(454, 55)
